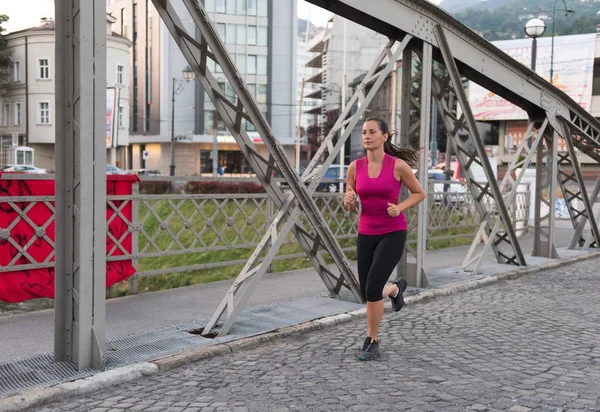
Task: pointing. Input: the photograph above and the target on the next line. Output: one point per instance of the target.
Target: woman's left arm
(405, 174)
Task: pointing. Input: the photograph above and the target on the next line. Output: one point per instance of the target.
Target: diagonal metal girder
(312, 175)
(589, 241)
(514, 184)
(578, 202)
(474, 154)
(196, 54)
(585, 134)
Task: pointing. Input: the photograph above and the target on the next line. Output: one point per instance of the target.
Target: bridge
(416, 30)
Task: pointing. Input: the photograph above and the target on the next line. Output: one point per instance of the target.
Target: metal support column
(543, 233)
(421, 279)
(410, 266)
(80, 286)
(473, 152)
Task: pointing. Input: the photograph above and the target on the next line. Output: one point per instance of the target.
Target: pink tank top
(374, 194)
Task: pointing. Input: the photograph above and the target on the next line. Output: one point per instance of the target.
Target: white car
(455, 193)
(23, 169)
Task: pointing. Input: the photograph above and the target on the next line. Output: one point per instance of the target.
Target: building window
(261, 97)
(252, 35)
(241, 34)
(263, 8)
(220, 6)
(230, 35)
(16, 67)
(262, 36)
(43, 112)
(240, 61)
(252, 88)
(43, 69)
(252, 10)
(221, 31)
(121, 111)
(123, 23)
(17, 114)
(241, 7)
(120, 74)
(5, 114)
(231, 7)
(262, 65)
(251, 64)
(249, 126)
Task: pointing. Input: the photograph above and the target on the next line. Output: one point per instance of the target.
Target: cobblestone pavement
(527, 344)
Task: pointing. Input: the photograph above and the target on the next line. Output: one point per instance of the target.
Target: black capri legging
(377, 256)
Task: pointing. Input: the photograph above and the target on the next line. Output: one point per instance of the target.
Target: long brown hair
(410, 156)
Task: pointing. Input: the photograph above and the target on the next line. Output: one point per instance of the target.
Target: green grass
(222, 215)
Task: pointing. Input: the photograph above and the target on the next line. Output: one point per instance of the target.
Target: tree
(5, 62)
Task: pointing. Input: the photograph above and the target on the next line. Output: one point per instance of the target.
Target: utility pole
(172, 166)
(215, 152)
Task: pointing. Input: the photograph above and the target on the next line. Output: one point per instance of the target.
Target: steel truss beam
(543, 234)
(589, 241)
(80, 288)
(287, 204)
(537, 137)
(570, 172)
(472, 152)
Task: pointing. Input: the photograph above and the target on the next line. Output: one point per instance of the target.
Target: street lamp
(178, 85)
(567, 12)
(534, 28)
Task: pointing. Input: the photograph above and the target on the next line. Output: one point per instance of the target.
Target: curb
(135, 371)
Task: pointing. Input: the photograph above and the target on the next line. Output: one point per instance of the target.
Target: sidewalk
(155, 325)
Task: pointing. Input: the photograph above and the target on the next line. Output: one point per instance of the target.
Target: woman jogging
(377, 179)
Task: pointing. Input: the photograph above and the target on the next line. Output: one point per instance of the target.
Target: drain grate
(36, 372)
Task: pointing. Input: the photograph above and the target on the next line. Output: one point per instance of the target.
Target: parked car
(22, 169)
(333, 172)
(149, 172)
(455, 192)
(281, 181)
(476, 170)
(114, 170)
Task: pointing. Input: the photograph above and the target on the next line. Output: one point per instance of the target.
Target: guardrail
(161, 234)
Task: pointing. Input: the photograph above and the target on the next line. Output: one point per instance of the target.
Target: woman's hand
(350, 198)
(393, 210)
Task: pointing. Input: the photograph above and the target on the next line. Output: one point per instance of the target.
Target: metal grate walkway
(40, 371)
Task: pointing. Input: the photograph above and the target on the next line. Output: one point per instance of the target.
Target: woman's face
(372, 137)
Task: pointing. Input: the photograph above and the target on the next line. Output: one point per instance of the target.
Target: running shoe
(398, 301)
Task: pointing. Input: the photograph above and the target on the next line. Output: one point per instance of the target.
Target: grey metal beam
(80, 286)
(423, 166)
(510, 197)
(476, 154)
(589, 241)
(587, 212)
(478, 60)
(543, 234)
(247, 108)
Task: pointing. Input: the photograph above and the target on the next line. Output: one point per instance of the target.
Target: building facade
(342, 51)
(27, 98)
(261, 38)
